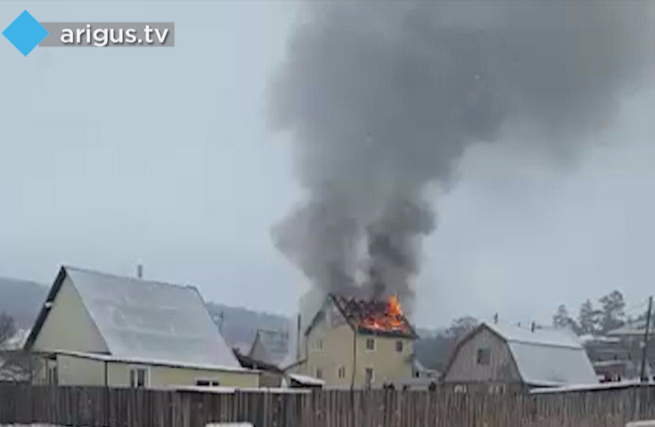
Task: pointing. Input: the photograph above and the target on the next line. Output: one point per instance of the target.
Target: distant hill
(22, 300)
(239, 325)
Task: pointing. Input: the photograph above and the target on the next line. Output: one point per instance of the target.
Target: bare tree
(7, 327)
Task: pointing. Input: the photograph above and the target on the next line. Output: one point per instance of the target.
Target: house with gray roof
(97, 329)
(500, 357)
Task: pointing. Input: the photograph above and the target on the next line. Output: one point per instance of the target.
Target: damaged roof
(370, 316)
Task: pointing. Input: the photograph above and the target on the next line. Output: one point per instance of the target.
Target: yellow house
(356, 344)
(98, 329)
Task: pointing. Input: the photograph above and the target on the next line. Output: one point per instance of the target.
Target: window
(484, 356)
(207, 383)
(138, 377)
(460, 388)
(370, 344)
(318, 344)
(319, 373)
(399, 346)
(497, 389)
(369, 376)
(341, 371)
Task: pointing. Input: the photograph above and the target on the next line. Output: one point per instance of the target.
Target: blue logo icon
(25, 33)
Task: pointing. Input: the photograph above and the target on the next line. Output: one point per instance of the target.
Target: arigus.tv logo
(25, 33)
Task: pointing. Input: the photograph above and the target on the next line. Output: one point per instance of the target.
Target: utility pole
(645, 349)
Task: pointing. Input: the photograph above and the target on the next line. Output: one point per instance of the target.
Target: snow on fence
(86, 406)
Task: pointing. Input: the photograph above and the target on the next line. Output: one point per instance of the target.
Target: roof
(306, 380)
(543, 357)
(145, 320)
(540, 336)
(252, 363)
(361, 314)
(634, 328)
(270, 347)
(16, 341)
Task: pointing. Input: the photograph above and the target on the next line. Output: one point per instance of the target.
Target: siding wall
(338, 350)
(79, 371)
(501, 367)
(68, 325)
(388, 364)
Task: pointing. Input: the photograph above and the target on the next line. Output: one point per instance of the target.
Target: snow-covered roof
(16, 341)
(270, 347)
(587, 387)
(541, 336)
(306, 380)
(547, 357)
(147, 320)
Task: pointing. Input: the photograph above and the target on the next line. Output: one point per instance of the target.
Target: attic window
(484, 356)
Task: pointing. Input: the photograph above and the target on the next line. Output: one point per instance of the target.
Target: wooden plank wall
(96, 407)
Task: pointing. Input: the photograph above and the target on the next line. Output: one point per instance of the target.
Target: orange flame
(393, 306)
(392, 318)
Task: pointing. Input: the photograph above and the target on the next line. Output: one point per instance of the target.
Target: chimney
(139, 271)
(496, 319)
(533, 327)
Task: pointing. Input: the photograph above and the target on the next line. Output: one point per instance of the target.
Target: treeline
(433, 351)
(598, 319)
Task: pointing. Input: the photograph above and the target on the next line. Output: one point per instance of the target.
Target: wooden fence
(85, 406)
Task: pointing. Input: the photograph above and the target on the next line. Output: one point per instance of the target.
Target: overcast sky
(112, 157)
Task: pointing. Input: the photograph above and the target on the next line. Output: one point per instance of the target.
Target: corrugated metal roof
(540, 336)
(151, 320)
(547, 357)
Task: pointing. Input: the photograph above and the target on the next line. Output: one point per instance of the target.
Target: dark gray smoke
(384, 98)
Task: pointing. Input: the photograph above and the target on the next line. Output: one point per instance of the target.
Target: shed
(497, 357)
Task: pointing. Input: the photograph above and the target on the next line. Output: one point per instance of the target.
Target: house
(270, 347)
(97, 329)
(15, 365)
(498, 358)
(357, 343)
(617, 355)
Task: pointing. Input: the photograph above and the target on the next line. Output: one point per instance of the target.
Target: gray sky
(164, 156)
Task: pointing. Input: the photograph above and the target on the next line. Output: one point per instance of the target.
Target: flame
(393, 307)
(391, 320)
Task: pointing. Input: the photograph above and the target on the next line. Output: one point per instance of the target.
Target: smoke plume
(383, 99)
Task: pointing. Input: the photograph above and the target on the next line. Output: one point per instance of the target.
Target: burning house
(357, 343)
